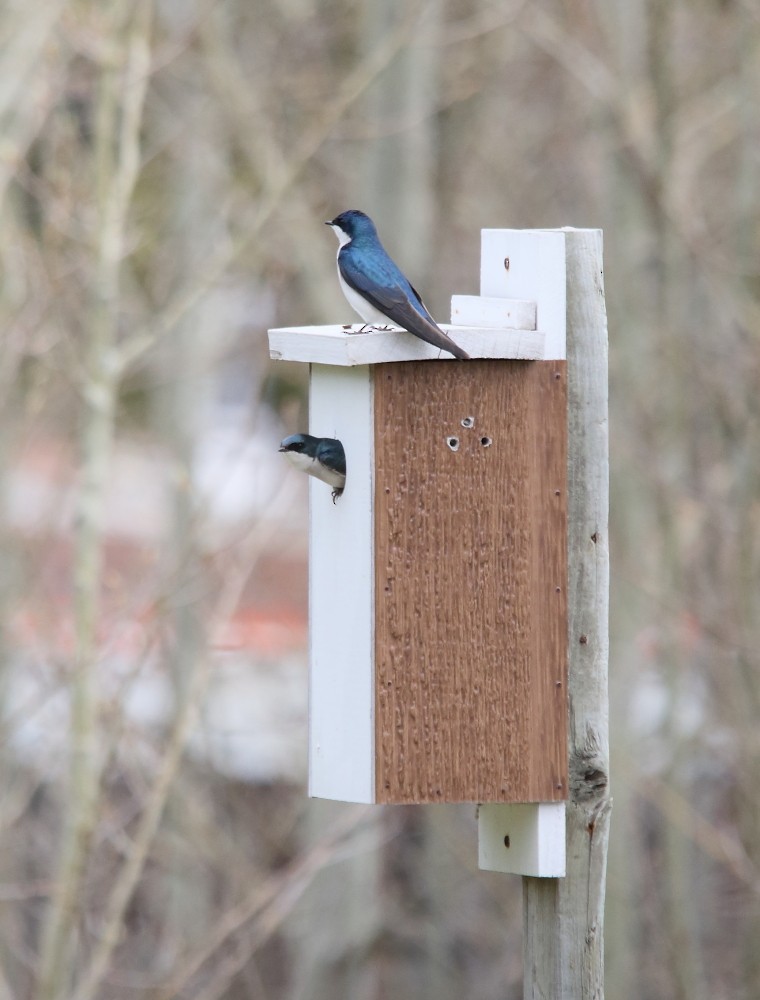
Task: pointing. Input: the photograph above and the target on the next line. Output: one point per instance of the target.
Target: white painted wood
(509, 314)
(564, 918)
(522, 839)
(341, 593)
(334, 345)
(536, 272)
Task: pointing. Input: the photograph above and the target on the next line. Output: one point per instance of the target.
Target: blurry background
(165, 170)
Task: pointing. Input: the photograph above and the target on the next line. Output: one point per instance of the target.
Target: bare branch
(354, 85)
(100, 389)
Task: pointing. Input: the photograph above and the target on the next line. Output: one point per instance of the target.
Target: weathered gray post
(564, 918)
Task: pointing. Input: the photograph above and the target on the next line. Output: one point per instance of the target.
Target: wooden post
(564, 918)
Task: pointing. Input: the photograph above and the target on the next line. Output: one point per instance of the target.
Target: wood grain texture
(470, 582)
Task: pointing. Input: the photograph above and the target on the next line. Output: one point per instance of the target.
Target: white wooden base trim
(341, 593)
(529, 264)
(335, 345)
(522, 839)
(508, 314)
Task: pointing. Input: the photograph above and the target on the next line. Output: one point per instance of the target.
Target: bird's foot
(367, 328)
(337, 492)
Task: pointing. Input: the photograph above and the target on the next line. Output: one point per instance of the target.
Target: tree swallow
(376, 288)
(323, 458)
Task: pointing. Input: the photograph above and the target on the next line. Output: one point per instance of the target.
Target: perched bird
(376, 288)
(323, 458)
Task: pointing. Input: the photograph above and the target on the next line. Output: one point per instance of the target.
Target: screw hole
(506, 263)
(468, 422)
(453, 443)
(506, 840)
(486, 442)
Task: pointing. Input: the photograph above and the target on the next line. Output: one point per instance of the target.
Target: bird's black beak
(282, 449)
(328, 223)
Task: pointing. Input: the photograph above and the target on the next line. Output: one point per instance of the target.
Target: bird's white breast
(360, 305)
(343, 237)
(329, 476)
(304, 463)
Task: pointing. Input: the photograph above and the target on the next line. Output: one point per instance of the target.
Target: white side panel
(509, 314)
(522, 839)
(335, 345)
(536, 272)
(341, 723)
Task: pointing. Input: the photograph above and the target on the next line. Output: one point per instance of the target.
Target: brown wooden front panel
(470, 582)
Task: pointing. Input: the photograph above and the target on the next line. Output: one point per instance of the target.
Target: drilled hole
(506, 840)
(468, 422)
(506, 263)
(486, 442)
(453, 443)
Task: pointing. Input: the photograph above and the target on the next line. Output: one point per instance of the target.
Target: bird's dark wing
(381, 283)
(330, 453)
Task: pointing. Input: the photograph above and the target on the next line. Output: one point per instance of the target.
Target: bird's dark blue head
(300, 444)
(352, 225)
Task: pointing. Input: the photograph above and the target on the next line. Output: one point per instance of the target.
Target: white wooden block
(341, 593)
(509, 314)
(334, 345)
(522, 839)
(529, 264)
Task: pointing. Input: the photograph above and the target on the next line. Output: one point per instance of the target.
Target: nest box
(438, 581)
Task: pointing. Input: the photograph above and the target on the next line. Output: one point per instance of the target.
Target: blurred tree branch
(195, 683)
(266, 904)
(316, 134)
(117, 160)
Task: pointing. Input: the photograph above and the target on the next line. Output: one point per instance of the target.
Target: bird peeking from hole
(323, 458)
